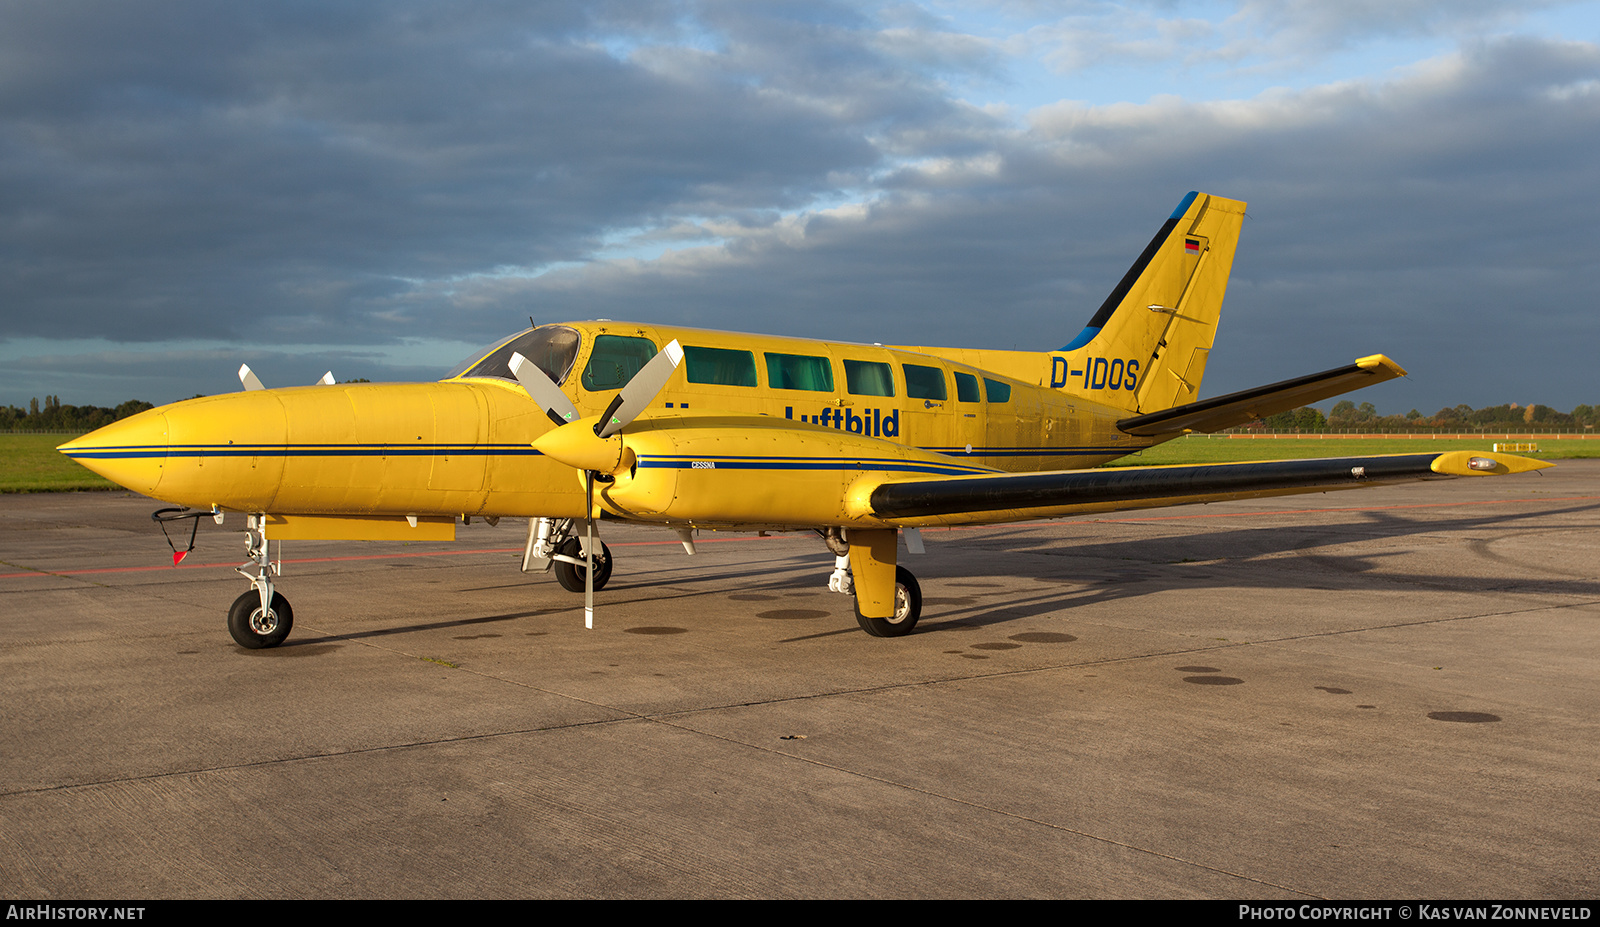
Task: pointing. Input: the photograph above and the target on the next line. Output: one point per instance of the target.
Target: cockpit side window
(552, 348)
(615, 360)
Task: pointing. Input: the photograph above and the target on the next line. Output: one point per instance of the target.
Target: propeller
(249, 378)
(252, 382)
(594, 450)
(543, 390)
(640, 391)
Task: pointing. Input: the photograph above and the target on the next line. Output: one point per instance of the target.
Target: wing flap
(1014, 497)
(1248, 405)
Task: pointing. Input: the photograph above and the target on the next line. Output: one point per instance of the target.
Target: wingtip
(1375, 362)
(1485, 463)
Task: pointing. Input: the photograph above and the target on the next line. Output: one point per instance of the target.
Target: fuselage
(462, 446)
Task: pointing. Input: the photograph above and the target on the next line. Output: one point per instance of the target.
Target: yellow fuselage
(463, 446)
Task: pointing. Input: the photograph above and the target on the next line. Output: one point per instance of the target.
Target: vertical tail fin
(1146, 348)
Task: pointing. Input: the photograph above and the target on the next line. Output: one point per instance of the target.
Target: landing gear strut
(261, 617)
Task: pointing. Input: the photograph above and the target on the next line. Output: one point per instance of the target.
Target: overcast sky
(381, 187)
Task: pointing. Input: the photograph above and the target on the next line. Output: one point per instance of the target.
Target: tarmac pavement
(1379, 694)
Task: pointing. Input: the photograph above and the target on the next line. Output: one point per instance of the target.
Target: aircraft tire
(570, 575)
(251, 630)
(908, 608)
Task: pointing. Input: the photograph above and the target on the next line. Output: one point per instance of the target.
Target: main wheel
(570, 575)
(907, 608)
(254, 629)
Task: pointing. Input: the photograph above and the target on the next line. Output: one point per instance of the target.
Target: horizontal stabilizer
(1013, 497)
(1234, 409)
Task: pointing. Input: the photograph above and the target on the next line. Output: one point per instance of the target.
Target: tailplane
(1146, 348)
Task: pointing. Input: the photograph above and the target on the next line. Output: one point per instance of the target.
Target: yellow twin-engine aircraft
(573, 423)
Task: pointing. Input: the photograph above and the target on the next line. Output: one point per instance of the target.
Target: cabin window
(997, 391)
(799, 371)
(615, 360)
(719, 366)
(924, 382)
(552, 348)
(868, 378)
(966, 387)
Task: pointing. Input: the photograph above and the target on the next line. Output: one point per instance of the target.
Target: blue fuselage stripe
(303, 450)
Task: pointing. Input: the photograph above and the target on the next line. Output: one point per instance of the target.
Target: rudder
(1146, 347)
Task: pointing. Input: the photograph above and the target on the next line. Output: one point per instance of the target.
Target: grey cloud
(1310, 25)
(291, 178)
(364, 174)
(1258, 34)
(1442, 219)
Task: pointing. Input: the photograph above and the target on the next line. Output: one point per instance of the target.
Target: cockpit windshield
(552, 347)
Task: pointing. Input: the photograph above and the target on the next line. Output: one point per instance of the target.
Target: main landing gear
(571, 569)
(558, 543)
(261, 617)
(863, 566)
(907, 608)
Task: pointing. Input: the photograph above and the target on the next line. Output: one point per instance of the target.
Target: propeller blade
(640, 391)
(588, 550)
(248, 378)
(327, 380)
(543, 390)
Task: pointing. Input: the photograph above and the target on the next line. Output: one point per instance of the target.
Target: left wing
(987, 498)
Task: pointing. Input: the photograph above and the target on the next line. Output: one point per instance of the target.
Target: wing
(1248, 405)
(986, 498)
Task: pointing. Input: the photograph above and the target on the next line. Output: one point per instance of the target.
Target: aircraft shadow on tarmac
(1129, 568)
(1327, 556)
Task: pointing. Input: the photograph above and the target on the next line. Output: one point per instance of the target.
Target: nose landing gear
(261, 617)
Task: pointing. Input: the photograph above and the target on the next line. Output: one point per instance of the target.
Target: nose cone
(218, 450)
(129, 453)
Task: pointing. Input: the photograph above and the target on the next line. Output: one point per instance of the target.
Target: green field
(29, 463)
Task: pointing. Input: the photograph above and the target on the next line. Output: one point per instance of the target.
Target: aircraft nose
(130, 452)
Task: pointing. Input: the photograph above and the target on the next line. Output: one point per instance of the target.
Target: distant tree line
(1347, 415)
(53, 416)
